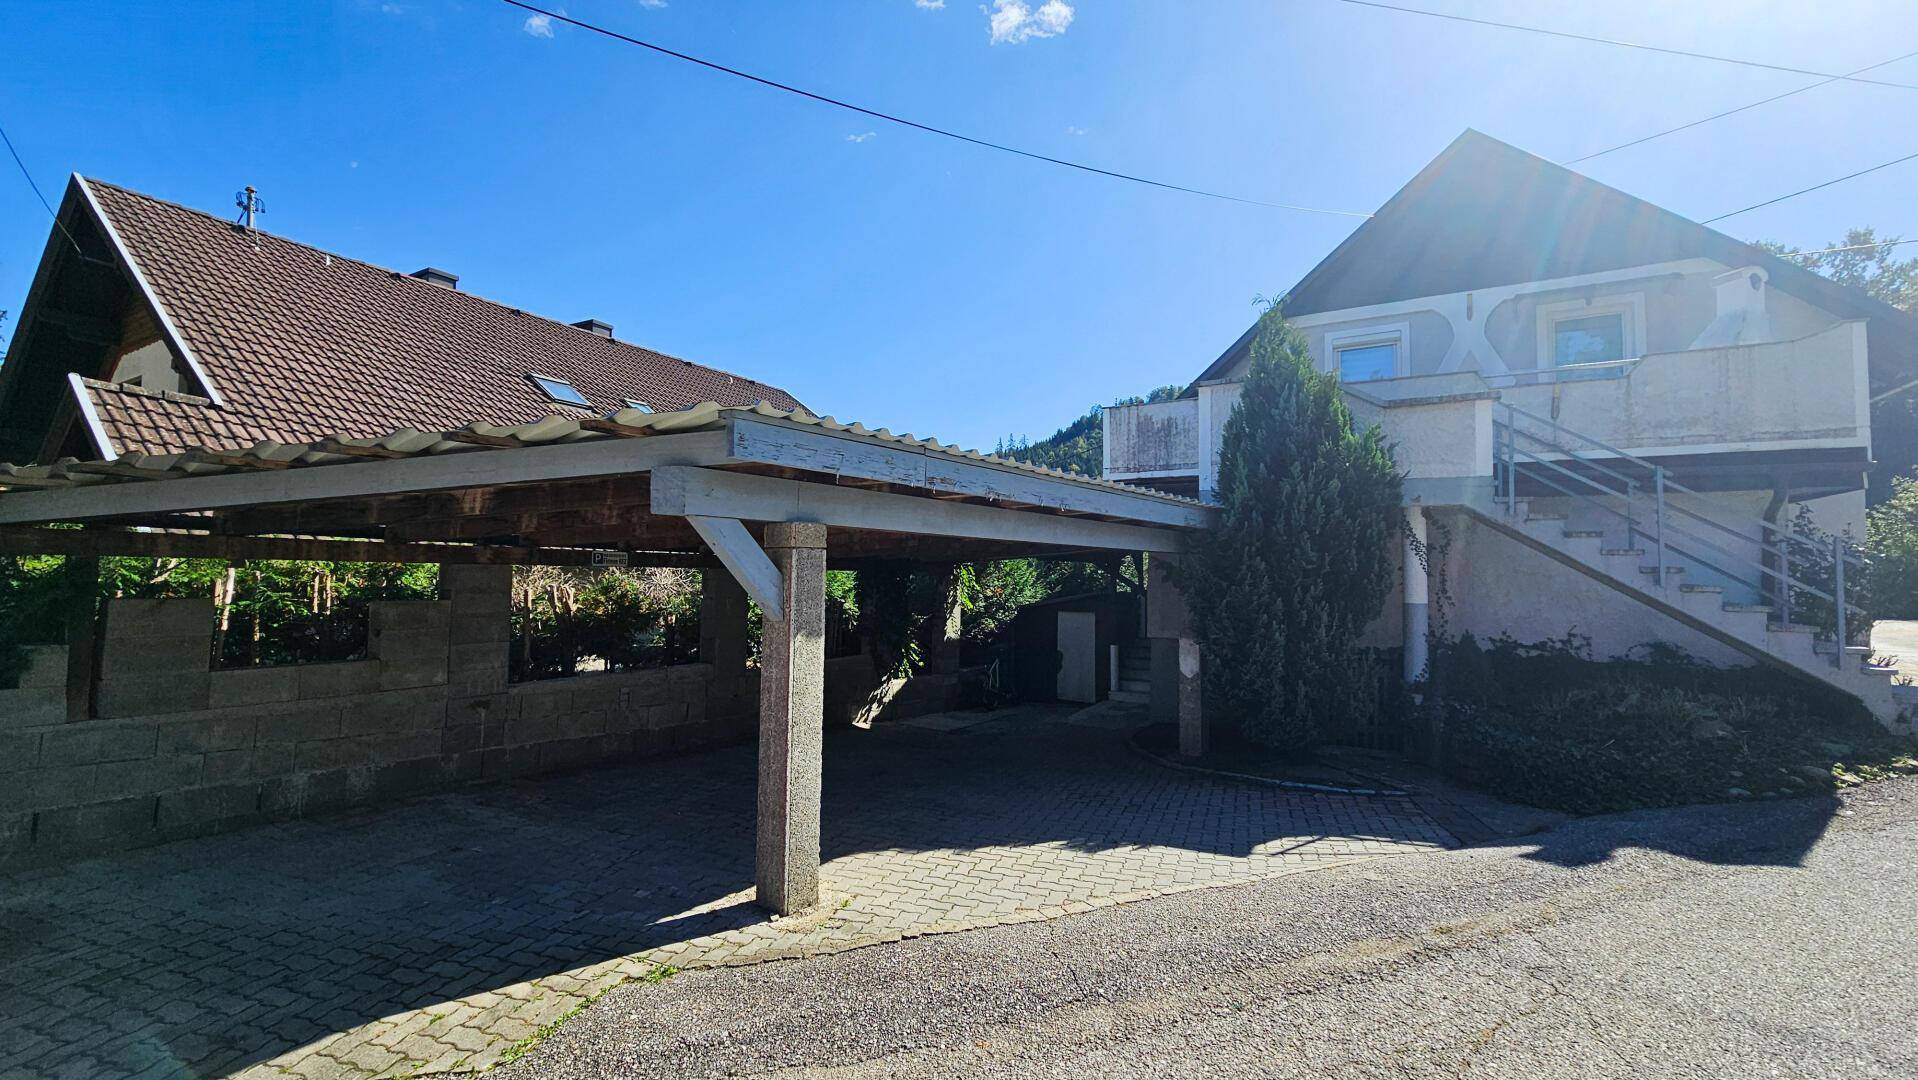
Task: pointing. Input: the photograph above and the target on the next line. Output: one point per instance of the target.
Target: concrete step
(1585, 534)
(1142, 686)
(1134, 697)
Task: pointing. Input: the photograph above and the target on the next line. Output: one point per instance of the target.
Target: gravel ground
(1768, 939)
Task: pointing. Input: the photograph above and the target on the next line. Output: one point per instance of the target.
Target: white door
(1078, 656)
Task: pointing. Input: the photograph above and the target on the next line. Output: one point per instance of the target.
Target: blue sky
(898, 278)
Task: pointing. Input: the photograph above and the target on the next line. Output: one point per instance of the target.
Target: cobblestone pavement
(434, 935)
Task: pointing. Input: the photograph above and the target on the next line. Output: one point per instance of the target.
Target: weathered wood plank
(432, 472)
(90, 543)
(749, 563)
(775, 442)
(716, 493)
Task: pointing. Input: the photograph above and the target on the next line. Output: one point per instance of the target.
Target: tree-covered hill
(1079, 447)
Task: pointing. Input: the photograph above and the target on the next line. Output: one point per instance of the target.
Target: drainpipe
(1418, 616)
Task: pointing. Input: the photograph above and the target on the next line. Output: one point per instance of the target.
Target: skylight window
(560, 390)
(635, 403)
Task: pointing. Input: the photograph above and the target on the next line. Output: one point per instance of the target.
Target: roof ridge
(475, 297)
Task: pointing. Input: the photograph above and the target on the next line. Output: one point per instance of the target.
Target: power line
(1814, 187)
(1848, 247)
(36, 194)
(1739, 109)
(1623, 44)
(928, 128)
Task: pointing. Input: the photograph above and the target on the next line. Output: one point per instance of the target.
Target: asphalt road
(1771, 939)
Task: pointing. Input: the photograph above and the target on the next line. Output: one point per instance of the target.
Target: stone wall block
(146, 695)
(253, 686)
(129, 619)
(32, 706)
(394, 710)
(205, 809)
(81, 744)
(19, 752)
(34, 789)
(46, 667)
(153, 654)
(470, 628)
(99, 826)
(339, 680)
(298, 723)
(421, 617)
(477, 656)
(149, 776)
(205, 734)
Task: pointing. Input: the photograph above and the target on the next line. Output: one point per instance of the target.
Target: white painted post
(792, 670)
(1418, 619)
(1838, 598)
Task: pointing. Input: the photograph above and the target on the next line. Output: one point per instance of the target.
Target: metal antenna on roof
(250, 203)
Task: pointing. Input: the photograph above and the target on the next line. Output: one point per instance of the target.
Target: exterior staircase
(1134, 682)
(1646, 547)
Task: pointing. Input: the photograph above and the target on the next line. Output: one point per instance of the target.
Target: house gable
(244, 337)
(1485, 214)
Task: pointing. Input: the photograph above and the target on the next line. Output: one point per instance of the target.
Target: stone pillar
(1176, 667)
(722, 623)
(1418, 614)
(83, 634)
(479, 644)
(792, 700)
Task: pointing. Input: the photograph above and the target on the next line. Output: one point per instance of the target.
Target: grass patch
(658, 974)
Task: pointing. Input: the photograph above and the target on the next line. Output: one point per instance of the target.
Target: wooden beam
(749, 563)
(427, 472)
(125, 472)
(461, 435)
(779, 442)
(233, 461)
(92, 543)
(716, 493)
(335, 446)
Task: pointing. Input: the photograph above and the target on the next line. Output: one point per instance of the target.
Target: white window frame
(1630, 306)
(1398, 335)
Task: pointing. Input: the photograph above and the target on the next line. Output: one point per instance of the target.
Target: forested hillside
(1079, 447)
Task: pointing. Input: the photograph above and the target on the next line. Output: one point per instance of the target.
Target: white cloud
(929, 5)
(652, 3)
(1014, 21)
(862, 137)
(1072, 130)
(539, 25)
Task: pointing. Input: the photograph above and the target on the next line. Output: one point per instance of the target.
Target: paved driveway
(435, 935)
(1760, 939)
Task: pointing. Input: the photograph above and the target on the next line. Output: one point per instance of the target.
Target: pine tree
(1302, 557)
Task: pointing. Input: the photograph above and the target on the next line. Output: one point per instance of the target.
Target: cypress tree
(1302, 558)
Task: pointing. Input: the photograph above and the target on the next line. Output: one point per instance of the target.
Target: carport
(774, 496)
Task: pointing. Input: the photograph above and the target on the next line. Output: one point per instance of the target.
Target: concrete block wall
(174, 749)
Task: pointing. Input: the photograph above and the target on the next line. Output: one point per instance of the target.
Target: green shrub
(1547, 725)
(1301, 560)
(1892, 527)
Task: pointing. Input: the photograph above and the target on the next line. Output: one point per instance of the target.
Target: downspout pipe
(1418, 609)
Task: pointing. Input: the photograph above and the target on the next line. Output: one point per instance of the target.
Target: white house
(1609, 414)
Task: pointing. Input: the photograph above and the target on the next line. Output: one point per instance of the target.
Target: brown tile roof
(301, 344)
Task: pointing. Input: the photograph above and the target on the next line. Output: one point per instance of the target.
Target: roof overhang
(635, 481)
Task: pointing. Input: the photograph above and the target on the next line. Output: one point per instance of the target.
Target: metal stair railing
(1601, 476)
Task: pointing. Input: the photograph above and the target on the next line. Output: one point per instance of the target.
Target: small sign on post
(611, 558)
